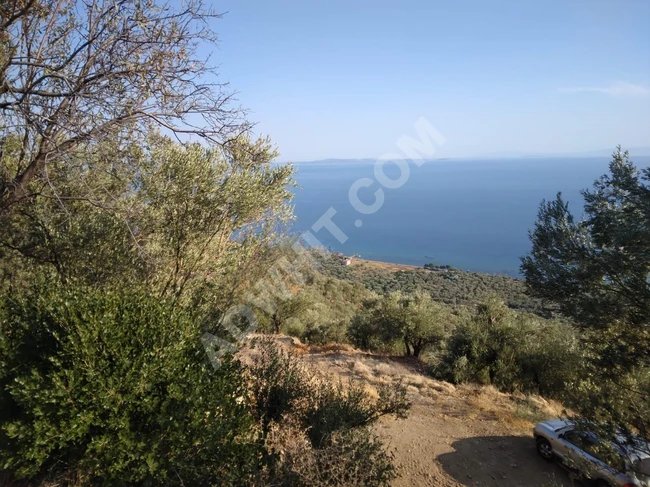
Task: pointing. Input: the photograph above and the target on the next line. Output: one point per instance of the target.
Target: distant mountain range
(634, 152)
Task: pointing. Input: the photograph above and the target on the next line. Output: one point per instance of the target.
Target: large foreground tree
(73, 73)
(187, 220)
(598, 270)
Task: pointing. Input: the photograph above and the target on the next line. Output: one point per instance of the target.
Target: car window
(606, 454)
(576, 438)
(588, 443)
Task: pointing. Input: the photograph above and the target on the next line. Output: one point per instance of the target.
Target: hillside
(454, 435)
(450, 286)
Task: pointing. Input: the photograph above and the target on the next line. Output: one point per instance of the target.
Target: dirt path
(453, 436)
(437, 450)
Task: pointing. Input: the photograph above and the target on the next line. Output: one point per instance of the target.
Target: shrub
(114, 385)
(278, 383)
(316, 432)
(353, 458)
(362, 331)
(340, 408)
(511, 351)
(294, 328)
(415, 319)
(554, 358)
(316, 334)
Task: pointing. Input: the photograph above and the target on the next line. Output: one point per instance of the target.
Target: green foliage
(278, 383)
(454, 287)
(204, 210)
(597, 270)
(416, 320)
(366, 462)
(363, 331)
(288, 308)
(342, 407)
(78, 231)
(334, 419)
(114, 385)
(192, 223)
(74, 76)
(353, 458)
(283, 387)
(511, 351)
(554, 358)
(321, 310)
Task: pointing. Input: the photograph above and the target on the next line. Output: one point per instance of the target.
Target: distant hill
(337, 161)
(643, 151)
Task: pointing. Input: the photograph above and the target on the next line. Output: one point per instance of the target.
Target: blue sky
(346, 79)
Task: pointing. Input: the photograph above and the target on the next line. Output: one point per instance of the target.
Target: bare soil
(454, 435)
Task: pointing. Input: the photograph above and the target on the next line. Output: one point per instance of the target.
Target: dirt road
(454, 435)
(434, 449)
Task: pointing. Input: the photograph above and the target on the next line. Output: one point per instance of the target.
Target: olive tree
(73, 73)
(188, 220)
(415, 320)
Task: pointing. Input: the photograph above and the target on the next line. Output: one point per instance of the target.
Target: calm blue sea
(471, 214)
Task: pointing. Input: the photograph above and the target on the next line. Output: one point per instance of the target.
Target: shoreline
(382, 265)
(368, 264)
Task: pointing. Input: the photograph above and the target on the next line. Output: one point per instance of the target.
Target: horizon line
(598, 153)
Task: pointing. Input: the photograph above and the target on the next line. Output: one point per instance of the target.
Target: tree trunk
(277, 323)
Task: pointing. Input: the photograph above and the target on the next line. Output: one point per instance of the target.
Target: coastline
(378, 265)
(366, 264)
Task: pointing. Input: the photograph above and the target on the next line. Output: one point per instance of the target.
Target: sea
(471, 214)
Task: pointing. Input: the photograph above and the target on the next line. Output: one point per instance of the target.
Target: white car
(604, 463)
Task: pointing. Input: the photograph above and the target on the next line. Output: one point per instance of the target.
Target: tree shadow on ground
(510, 461)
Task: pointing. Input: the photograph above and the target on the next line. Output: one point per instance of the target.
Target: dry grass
(332, 348)
(517, 412)
(374, 265)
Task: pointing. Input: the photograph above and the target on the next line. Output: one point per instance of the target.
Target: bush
(317, 334)
(115, 386)
(317, 433)
(277, 384)
(294, 328)
(415, 319)
(353, 458)
(362, 331)
(554, 359)
(340, 408)
(511, 351)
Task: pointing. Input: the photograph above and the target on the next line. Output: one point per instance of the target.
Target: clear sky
(345, 79)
